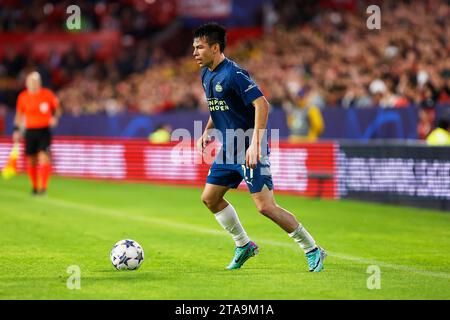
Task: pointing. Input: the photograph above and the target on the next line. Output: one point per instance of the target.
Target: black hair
(213, 33)
(443, 123)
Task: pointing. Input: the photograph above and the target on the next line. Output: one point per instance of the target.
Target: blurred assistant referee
(37, 112)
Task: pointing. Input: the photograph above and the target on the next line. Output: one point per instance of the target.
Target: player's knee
(208, 200)
(43, 158)
(266, 209)
(32, 160)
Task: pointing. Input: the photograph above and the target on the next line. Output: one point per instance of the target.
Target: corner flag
(10, 170)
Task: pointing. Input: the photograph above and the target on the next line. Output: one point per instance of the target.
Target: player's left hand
(252, 156)
(53, 122)
(16, 136)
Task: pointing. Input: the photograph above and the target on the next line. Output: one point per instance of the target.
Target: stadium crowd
(330, 60)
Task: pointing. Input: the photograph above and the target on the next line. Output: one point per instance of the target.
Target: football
(127, 255)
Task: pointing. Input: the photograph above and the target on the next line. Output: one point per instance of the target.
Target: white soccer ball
(127, 255)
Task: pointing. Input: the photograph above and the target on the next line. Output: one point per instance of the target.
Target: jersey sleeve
(245, 87)
(20, 106)
(202, 78)
(53, 100)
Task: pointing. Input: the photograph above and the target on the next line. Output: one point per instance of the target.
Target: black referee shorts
(37, 140)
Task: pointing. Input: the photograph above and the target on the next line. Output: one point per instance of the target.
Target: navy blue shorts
(231, 175)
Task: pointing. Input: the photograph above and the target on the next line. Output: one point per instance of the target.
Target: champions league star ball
(127, 255)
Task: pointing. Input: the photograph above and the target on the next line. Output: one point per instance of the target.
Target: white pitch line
(186, 226)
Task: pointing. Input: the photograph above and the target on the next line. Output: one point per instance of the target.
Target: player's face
(33, 82)
(203, 53)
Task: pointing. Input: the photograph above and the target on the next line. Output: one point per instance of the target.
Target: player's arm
(55, 118)
(57, 112)
(209, 125)
(203, 141)
(18, 119)
(261, 115)
(249, 92)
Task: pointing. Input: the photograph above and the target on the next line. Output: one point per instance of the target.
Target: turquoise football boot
(242, 254)
(315, 259)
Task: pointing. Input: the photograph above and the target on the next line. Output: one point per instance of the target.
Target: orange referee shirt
(37, 107)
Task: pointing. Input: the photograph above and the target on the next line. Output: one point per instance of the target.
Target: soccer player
(237, 104)
(38, 110)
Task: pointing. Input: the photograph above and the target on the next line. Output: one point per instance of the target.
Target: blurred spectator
(2, 119)
(161, 134)
(440, 136)
(304, 120)
(426, 120)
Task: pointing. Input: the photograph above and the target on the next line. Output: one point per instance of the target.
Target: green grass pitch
(186, 250)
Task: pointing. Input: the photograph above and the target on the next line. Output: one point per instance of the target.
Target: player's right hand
(202, 142)
(53, 122)
(16, 136)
